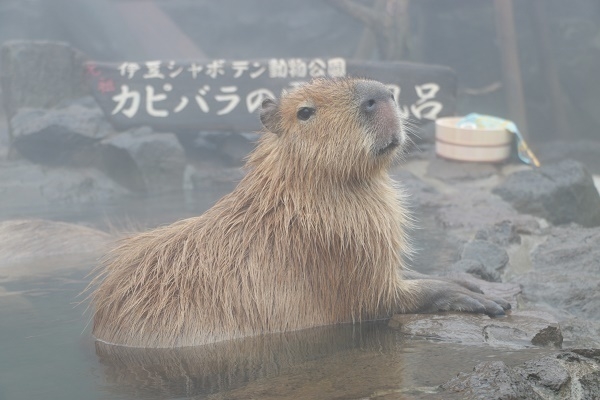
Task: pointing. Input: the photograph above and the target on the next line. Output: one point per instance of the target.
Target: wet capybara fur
(314, 234)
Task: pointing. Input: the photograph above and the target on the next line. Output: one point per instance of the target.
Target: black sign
(225, 95)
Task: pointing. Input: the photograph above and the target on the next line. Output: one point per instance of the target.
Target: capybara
(314, 234)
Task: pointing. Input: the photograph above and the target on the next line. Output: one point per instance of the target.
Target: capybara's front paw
(437, 295)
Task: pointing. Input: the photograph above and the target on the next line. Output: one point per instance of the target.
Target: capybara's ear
(269, 115)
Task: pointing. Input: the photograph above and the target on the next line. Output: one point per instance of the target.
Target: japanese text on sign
(218, 88)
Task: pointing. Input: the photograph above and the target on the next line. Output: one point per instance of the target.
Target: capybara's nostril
(369, 106)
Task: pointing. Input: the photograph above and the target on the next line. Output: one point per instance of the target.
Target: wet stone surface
(561, 193)
(564, 375)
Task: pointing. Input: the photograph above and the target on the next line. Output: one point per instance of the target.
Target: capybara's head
(340, 126)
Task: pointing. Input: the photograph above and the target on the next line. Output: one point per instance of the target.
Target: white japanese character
(174, 71)
(317, 68)
(153, 70)
(255, 98)
(122, 99)
(336, 67)
(278, 68)
(183, 102)
(129, 69)
(215, 68)
(195, 69)
(232, 98)
(260, 69)
(239, 67)
(434, 109)
(426, 93)
(152, 98)
(297, 68)
(200, 98)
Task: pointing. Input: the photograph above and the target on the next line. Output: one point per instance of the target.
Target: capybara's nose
(372, 95)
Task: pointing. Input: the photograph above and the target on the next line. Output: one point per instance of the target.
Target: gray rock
(560, 193)
(565, 272)
(565, 375)
(550, 336)
(516, 331)
(546, 372)
(471, 210)
(502, 234)
(475, 268)
(29, 186)
(489, 381)
(224, 148)
(59, 137)
(580, 332)
(40, 74)
(158, 157)
(590, 385)
(491, 256)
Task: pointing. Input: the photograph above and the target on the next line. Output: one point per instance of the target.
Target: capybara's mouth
(395, 142)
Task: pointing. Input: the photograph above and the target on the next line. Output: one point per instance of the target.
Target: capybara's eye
(305, 113)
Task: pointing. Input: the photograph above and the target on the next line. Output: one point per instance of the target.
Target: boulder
(491, 380)
(26, 186)
(565, 375)
(492, 257)
(222, 148)
(503, 234)
(561, 193)
(158, 159)
(518, 330)
(60, 137)
(40, 74)
(565, 272)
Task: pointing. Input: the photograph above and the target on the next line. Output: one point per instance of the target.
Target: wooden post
(511, 70)
(548, 67)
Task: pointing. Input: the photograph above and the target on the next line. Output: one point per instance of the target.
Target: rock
(223, 148)
(580, 332)
(565, 272)
(560, 193)
(471, 210)
(32, 187)
(475, 268)
(516, 331)
(502, 234)
(59, 137)
(40, 74)
(546, 372)
(158, 157)
(565, 375)
(446, 170)
(25, 243)
(489, 381)
(492, 257)
(550, 336)
(590, 385)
